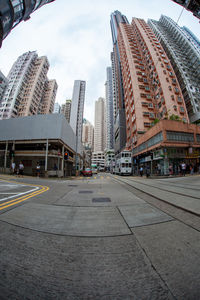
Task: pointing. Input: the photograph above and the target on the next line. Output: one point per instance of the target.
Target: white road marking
(19, 194)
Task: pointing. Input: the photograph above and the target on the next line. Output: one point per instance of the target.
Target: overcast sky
(76, 38)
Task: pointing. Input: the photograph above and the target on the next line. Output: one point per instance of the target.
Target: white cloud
(76, 38)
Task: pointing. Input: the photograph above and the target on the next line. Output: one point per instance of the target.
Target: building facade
(66, 109)
(99, 125)
(49, 96)
(151, 89)
(13, 12)
(29, 92)
(183, 51)
(109, 110)
(3, 85)
(77, 108)
(88, 134)
(118, 93)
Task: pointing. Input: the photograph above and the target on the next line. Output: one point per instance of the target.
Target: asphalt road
(103, 237)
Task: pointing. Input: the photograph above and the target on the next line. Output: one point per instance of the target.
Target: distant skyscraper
(183, 50)
(77, 108)
(99, 126)
(68, 105)
(57, 108)
(3, 85)
(109, 110)
(118, 93)
(66, 109)
(28, 92)
(12, 12)
(151, 89)
(88, 134)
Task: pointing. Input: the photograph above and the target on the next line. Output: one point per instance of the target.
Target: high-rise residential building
(68, 105)
(48, 98)
(77, 108)
(57, 108)
(12, 12)
(184, 53)
(109, 110)
(151, 89)
(99, 125)
(192, 38)
(191, 5)
(66, 109)
(28, 89)
(118, 93)
(3, 85)
(88, 134)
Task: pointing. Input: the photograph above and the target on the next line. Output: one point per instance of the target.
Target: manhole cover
(72, 184)
(101, 200)
(85, 192)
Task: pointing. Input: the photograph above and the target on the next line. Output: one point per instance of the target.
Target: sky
(76, 38)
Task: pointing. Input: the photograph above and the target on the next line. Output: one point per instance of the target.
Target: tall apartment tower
(28, 92)
(151, 89)
(88, 134)
(99, 125)
(184, 53)
(118, 93)
(49, 96)
(77, 108)
(66, 109)
(3, 85)
(109, 110)
(13, 12)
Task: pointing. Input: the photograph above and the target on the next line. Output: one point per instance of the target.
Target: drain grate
(101, 200)
(72, 185)
(85, 192)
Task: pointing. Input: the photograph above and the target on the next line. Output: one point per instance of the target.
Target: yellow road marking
(24, 197)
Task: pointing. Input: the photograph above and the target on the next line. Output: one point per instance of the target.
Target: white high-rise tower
(77, 107)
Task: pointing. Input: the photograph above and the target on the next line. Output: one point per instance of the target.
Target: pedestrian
(183, 168)
(21, 169)
(191, 169)
(13, 168)
(38, 169)
(147, 172)
(141, 171)
(170, 170)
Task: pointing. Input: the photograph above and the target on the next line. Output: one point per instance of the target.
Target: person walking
(38, 169)
(21, 169)
(141, 171)
(183, 168)
(13, 168)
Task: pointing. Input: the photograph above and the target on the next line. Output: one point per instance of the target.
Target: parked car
(87, 172)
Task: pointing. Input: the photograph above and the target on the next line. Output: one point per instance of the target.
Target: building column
(62, 161)
(46, 156)
(5, 156)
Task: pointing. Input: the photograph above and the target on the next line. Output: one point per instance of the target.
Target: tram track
(182, 214)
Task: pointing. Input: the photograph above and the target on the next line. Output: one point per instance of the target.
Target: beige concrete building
(48, 99)
(151, 89)
(66, 109)
(99, 125)
(29, 92)
(88, 134)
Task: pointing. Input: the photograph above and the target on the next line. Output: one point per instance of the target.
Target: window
(180, 136)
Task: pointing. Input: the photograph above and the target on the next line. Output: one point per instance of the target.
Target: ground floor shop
(166, 147)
